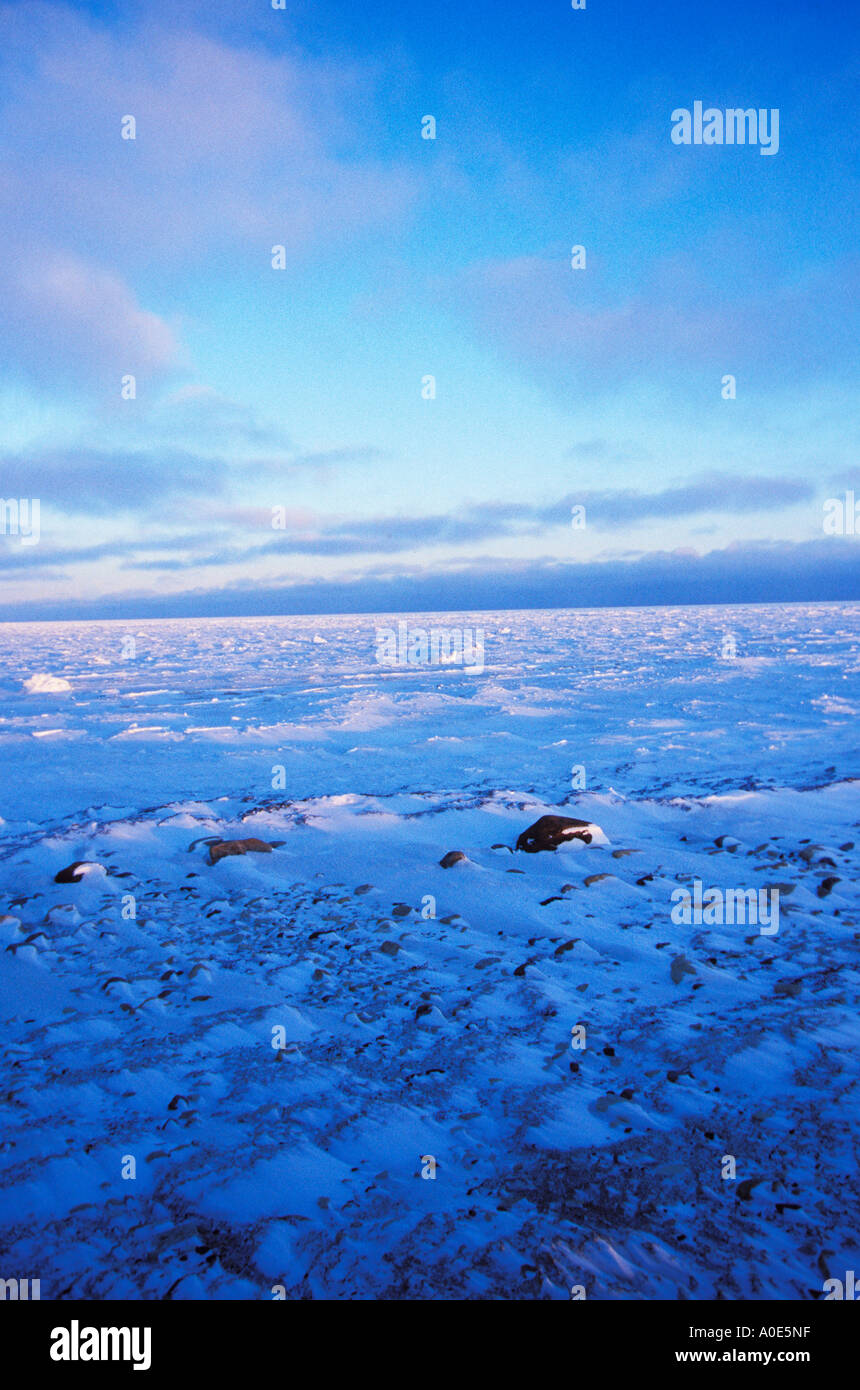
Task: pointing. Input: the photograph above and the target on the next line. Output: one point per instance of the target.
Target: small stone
(788, 987)
(681, 967)
(454, 856)
(815, 854)
(603, 1103)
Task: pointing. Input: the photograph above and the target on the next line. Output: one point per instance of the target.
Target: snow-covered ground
(281, 1048)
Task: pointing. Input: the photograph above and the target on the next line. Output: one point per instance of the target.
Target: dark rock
(73, 873)
(454, 856)
(551, 831)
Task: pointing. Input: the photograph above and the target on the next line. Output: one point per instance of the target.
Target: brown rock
(454, 856)
(228, 847)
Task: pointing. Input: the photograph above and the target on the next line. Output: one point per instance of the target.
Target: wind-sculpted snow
(338, 1069)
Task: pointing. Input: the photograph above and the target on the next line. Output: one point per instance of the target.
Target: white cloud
(66, 317)
(232, 144)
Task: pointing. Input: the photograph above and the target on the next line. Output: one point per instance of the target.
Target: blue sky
(301, 388)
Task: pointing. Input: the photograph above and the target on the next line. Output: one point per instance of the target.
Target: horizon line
(408, 612)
